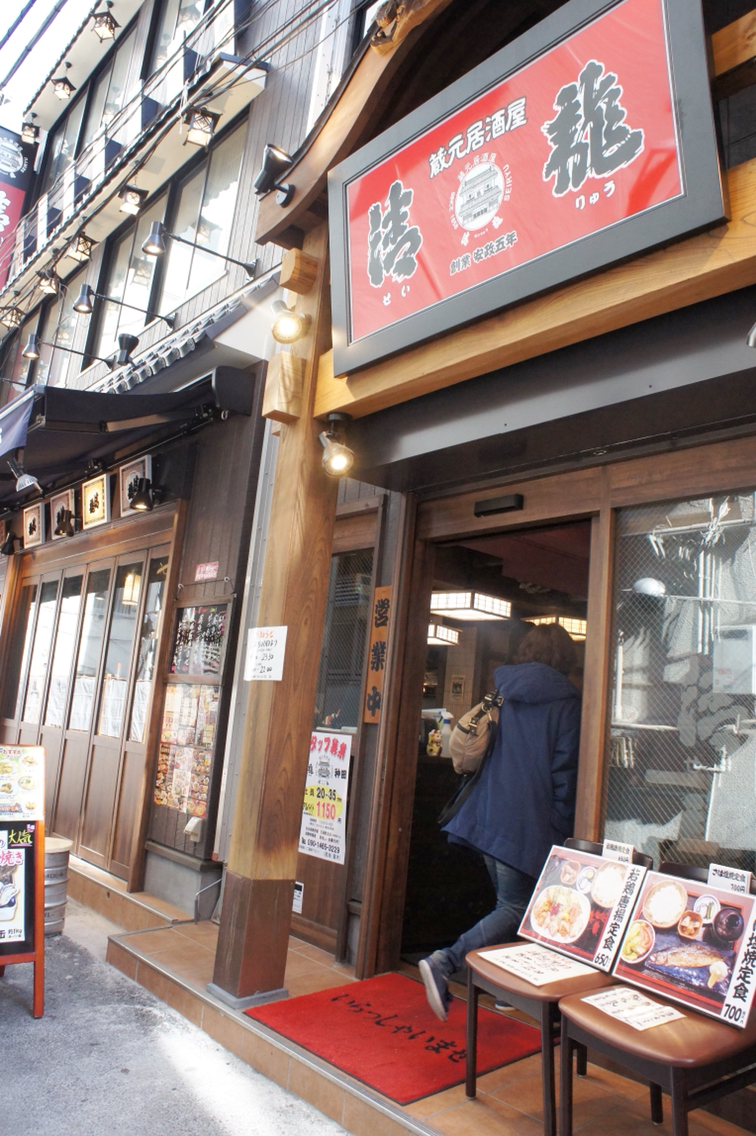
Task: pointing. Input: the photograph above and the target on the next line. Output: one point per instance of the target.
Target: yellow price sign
(323, 802)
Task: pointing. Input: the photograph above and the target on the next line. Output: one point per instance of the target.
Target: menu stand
(37, 955)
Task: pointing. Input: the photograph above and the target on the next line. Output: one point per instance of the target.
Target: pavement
(110, 1059)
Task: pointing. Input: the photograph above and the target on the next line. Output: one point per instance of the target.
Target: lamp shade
(275, 162)
(470, 606)
(155, 243)
(84, 301)
(576, 628)
(31, 351)
(441, 636)
(104, 25)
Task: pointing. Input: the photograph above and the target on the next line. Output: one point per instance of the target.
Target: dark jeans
(513, 892)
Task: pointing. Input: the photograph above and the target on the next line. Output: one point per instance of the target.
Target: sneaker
(436, 988)
(504, 1007)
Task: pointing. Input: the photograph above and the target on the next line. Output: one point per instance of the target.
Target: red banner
(574, 142)
(16, 160)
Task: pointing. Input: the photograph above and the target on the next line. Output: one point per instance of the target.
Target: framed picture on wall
(34, 525)
(95, 502)
(128, 481)
(458, 688)
(61, 505)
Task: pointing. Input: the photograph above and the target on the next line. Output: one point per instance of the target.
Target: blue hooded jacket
(525, 799)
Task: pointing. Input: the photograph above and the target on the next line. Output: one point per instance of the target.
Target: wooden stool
(694, 1058)
(540, 1002)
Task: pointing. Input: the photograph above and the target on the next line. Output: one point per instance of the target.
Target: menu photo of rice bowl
(673, 949)
(581, 904)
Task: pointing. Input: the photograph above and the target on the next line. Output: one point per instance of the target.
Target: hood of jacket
(533, 682)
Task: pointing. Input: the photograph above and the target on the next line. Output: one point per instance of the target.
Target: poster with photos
(34, 525)
(185, 753)
(18, 848)
(95, 501)
(129, 477)
(62, 508)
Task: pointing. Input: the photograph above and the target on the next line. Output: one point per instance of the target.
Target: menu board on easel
(22, 861)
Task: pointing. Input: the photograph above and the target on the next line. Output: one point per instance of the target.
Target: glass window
(337, 702)
(55, 367)
(63, 654)
(110, 92)
(118, 657)
(177, 19)
(204, 214)
(129, 279)
(61, 146)
(682, 752)
(93, 628)
(40, 655)
(148, 644)
(19, 649)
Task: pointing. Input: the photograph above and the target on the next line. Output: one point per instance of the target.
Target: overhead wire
(17, 22)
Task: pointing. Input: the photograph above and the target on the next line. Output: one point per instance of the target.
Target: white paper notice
(537, 965)
(729, 879)
(632, 1007)
(296, 902)
(324, 812)
(614, 850)
(266, 647)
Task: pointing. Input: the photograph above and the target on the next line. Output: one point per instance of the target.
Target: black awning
(70, 428)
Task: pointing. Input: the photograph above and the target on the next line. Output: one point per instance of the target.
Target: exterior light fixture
(144, 498)
(575, 628)
(201, 123)
(469, 606)
(11, 317)
(155, 245)
(49, 281)
(84, 305)
(62, 86)
(751, 340)
(132, 586)
(288, 325)
(126, 344)
(104, 24)
(275, 163)
(132, 199)
(7, 547)
(30, 132)
(65, 525)
(440, 636)
(188, 17)
(24, 480)
(338, 459)
(32, 352)
(81, 247)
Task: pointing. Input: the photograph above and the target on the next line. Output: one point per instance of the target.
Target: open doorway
(533, 575)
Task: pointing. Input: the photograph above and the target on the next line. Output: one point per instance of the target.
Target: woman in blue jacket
(524, 801)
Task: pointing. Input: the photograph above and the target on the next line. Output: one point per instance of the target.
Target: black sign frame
(702, 204)
(27, 945)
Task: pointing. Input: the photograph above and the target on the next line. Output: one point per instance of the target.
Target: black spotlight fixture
(155, 246)
(32, 350)
(338, 459)
(126, 344)
(84, 305)
(24, 480)
(275, 164)
(751, 340)
(65, 525)
(7, 547)
(144, 498)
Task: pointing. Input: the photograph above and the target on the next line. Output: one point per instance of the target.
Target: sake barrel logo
(12, 158)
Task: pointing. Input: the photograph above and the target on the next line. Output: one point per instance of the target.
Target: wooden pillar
(259, 882)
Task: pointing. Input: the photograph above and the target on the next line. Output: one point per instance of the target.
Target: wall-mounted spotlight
(201, 124)
(288, 325)
(49, 282)
(62, 86)
(11, 317)
(84, 305)
(7, 547)
(155, 246)
(751, 340)
(104, 24)
(30, 132)
(32, 350)
(275, 163)
(126, 344)
(24, 480)
(65, 525)
(80, 247)
(144, 498)
(132, 199)
(338, 459)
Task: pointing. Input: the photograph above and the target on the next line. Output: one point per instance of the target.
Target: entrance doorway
(488, 591)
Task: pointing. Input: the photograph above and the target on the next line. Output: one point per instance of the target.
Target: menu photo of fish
(684, 940)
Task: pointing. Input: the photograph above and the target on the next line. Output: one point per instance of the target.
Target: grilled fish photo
(693, 956)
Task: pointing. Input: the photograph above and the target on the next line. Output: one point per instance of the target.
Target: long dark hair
(550, 644)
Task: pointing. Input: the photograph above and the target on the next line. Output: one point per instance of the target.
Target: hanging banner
(14, 423)
(586, 140)
(16, 168)
(324, 813)
(379, 624)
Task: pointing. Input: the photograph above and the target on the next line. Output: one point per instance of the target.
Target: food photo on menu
(581, 905)
(683, 941)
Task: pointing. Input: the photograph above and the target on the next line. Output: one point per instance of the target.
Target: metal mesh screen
(337, 703)
(682, 748)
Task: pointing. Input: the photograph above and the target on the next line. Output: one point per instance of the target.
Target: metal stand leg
(472, 1036)
(2, 971)
(548, 1010)
(582, 1060)
(657, 1109)
(679, 1111)
(565, 1082)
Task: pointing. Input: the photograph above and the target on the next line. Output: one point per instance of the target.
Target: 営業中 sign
(586, 140)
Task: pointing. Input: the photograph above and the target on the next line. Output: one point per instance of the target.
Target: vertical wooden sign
(379, 625)
(22, 863)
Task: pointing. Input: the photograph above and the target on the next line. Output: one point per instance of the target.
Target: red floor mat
(383, 1032)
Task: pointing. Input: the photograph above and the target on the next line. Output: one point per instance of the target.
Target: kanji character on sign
(373, 701)
(589, 136)
(378, 656)
(393, 244)
(381, 613)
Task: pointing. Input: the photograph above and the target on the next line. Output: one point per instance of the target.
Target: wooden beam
(256, 916)
(284, 380)
(298, 271)
(734, 45)
(710, 264)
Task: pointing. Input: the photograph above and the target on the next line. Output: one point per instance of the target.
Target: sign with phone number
(323, 830)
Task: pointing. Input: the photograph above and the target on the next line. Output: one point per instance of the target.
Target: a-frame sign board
(22, 863)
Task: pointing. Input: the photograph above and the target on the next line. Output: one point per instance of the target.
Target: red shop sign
(16, 163)
(535, 180)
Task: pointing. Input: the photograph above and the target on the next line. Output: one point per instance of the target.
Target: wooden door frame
(595, 493)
